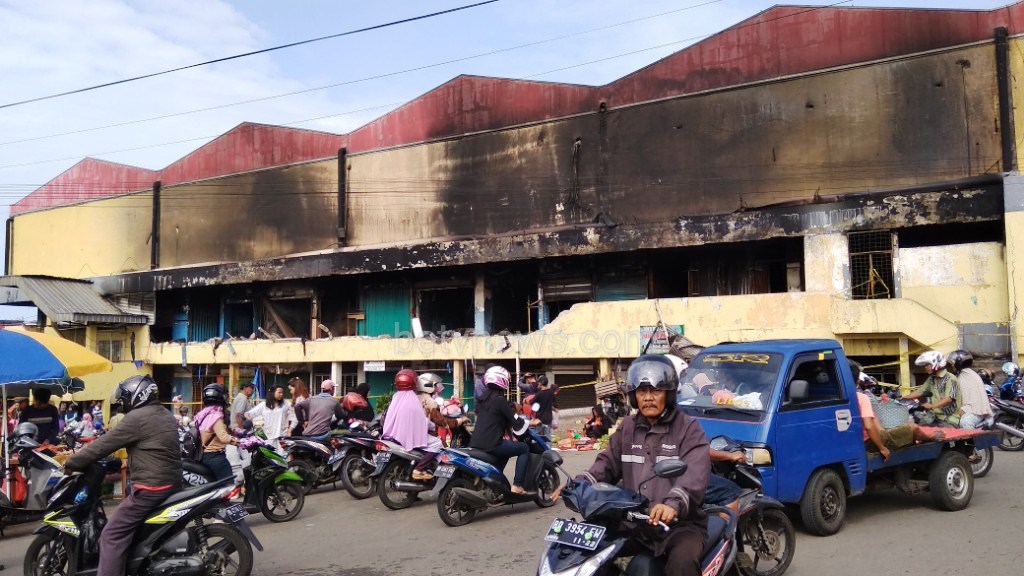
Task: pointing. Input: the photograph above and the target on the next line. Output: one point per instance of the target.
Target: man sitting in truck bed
(879, 440)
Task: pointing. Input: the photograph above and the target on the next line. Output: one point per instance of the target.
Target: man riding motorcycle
(659, 431)
(150, 434)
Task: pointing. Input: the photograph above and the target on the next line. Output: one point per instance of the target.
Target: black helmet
(213, 395)
(25, 429)
(135, 392)
(655, 371)
(960, 359)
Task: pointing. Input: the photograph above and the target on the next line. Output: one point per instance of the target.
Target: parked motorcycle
(764, 530)
(1009, 420)
(270, 487)
(177, 538)
(611, 517)
(316, 460)
(470, 480)
(32, 477)
(356, 466)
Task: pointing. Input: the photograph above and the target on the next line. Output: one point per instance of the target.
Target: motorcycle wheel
(229, 551)
(772, 542)
(355, 477)
(448, 508)
(282, 502)
(547, 483)
(397, 471)
(1009, 442)
(983, 463)
(308, 473)
(49, 556)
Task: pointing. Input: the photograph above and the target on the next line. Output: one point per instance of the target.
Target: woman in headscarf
(407, 424)
(213, 432)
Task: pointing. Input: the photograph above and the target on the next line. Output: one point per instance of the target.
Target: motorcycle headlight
(758, 456)
(587, 568)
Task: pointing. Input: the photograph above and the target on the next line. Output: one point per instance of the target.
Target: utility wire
(367, 78)
(236, 56)
(587, 63)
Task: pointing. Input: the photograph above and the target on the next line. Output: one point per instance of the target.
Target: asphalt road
(885, 533)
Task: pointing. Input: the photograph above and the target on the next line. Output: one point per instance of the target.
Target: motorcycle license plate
(575, 534)
(445, 471)
(382, 458)
(235, 512)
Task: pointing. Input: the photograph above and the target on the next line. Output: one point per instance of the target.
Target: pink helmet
(497, 377)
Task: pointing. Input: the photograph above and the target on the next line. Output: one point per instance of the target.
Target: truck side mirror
(799, 390)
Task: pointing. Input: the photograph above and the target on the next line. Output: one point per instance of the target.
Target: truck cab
(798, 399)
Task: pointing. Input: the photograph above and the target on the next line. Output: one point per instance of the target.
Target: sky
(60, 45)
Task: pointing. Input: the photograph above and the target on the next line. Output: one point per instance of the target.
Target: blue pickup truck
(796, 399)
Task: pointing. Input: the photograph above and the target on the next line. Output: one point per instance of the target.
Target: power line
(253, 53)
(563, 68)
(365, 79)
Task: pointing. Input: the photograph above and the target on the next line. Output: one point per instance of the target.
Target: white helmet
(680, 365)
(427, 382)
(933, 359)
(497, 377)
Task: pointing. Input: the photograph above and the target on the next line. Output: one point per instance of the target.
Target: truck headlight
(758, 456)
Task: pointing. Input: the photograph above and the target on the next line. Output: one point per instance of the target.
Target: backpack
(353, 401)
(191, 444)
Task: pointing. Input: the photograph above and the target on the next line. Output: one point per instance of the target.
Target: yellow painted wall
(965, 283)
(93, 239)
(827, 264)
(1015, 275)
(1017, 93)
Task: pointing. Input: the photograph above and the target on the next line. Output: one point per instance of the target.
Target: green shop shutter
(387, 311)
(609, 288)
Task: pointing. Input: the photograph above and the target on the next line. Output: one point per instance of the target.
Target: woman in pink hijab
(406, 423)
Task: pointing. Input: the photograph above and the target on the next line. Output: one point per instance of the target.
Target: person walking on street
(150, 435)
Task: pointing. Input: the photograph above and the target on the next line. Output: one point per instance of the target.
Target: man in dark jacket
(150, 434)
(660, 431)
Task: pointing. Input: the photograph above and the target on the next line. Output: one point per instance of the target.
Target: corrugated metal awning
(67, 300)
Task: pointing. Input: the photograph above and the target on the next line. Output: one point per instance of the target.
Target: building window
(76, 335)
(110, 345)
(871, 270)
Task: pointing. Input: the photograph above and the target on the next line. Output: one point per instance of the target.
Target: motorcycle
(392, 473)
(177, 538)
(356, 461)
(270, 487)
(1009, 420)
(763, 529)
(34, 476)
(612, 516)
(468, 481)
(317, 461)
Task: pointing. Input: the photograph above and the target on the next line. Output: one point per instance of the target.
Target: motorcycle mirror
(670, 468)
(247, 425)
(722, 444)
(553, 457)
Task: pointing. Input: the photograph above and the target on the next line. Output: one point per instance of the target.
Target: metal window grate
(871, 270)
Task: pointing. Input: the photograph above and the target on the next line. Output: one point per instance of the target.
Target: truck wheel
(823, 506)
(951, 481)
(984, 461)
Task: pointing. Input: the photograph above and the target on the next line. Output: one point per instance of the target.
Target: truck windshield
(730, 384)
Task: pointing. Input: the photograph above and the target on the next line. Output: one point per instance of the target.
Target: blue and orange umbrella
(29, 359)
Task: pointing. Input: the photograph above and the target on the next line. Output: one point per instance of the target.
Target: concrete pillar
(336, 374)
(1013, 200)
(458, 375)
(479, 304)
(906, 381)
(233, 379)
(604, 367)
(827, 264)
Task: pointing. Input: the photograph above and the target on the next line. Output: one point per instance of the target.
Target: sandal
(518, 490)
(420, 476)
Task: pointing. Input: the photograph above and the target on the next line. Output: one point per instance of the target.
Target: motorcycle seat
(716, 529)
(481, 455)
(196, 468)
(189, 493)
